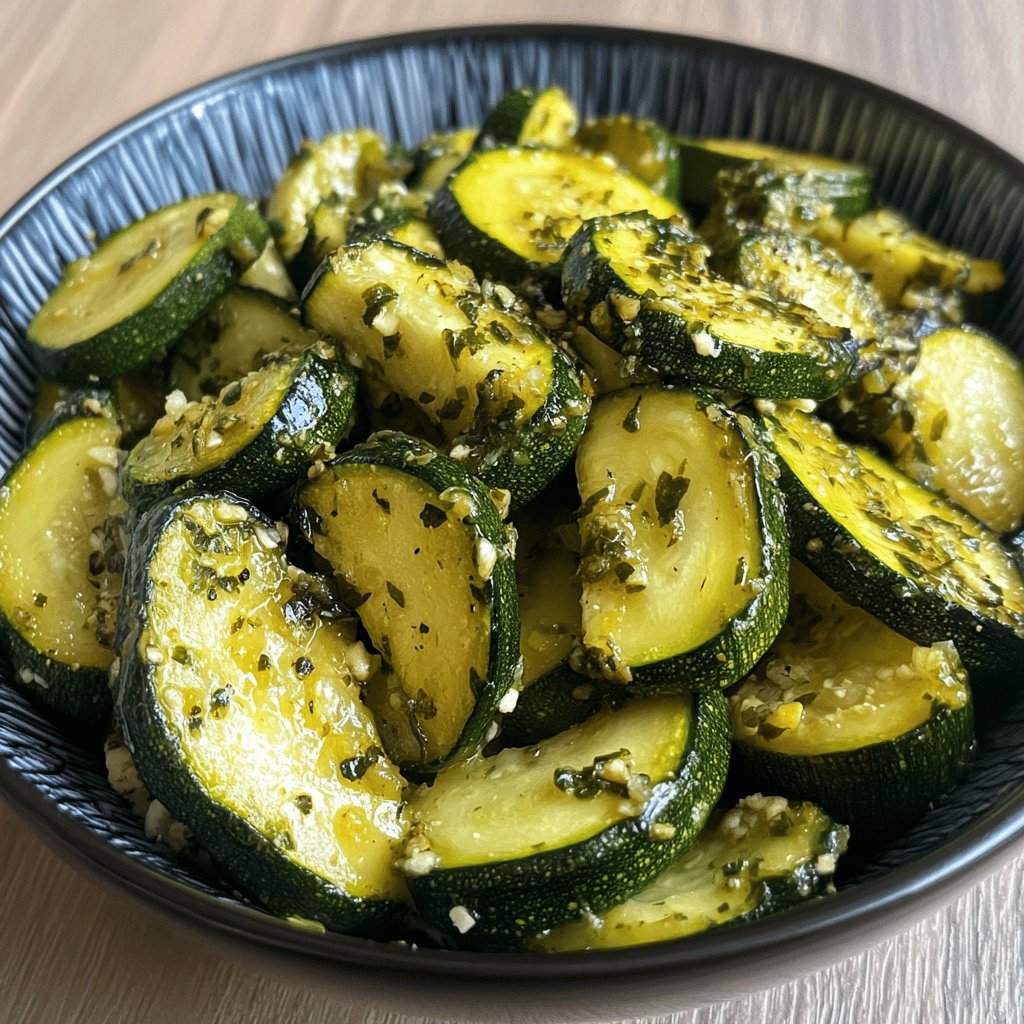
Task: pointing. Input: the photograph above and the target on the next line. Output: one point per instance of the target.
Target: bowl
(236, 133)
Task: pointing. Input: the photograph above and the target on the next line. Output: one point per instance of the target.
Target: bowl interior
(237, 133)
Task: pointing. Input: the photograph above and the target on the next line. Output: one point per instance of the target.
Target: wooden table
(72, 950)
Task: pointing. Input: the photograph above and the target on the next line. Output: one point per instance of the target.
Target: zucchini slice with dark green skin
(683, 542)
(959, 424)
(258, 435)
(850, 714)
(508, 213)
(924, 567)
(846, 189)
(238, 692)
(884, 244)
(60, 573)
(764, 855)
(399, 214)
(479, 368)
(643, 147)
(529, 116)
(643, 286)
(344, 167)
(420, 551)
(231, 340)
(326, 230)
(118, 307)
(598, 811)
(437, 156)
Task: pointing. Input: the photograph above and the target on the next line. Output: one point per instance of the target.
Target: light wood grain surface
(73, 950)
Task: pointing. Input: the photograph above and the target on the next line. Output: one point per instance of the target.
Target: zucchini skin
(316, 408)
(514, 900)
(662, 339)
(988, 649)
(133, 341)
(282, 885)
(879, 790)
(416, 457)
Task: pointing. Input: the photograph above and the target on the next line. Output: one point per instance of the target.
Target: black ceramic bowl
(236, 133)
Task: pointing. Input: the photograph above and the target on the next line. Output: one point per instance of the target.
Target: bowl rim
(928, 879)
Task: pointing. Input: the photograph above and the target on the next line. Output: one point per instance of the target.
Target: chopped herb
(383, 502)
(304, 802)
(211, 594)
(424, 628)
(303, 666)
(631, 424)
(263, 664)
(432, 516)
(396, 595)
(375, 298)
(668, 493)
(232, 394)
(39, 600)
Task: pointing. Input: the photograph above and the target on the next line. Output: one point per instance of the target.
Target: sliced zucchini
(421, 553)
(606, 369)
(478, 367)
(437, 156)
(509, 213)
(231, 341)
(142, 287)
(503, 847)
(922, 566)
(683, 545)
(846, 189)
(643, 286)
(60, 573)
(642, 147)
(528, 116)
(238, 694)
(258, 435)
(269, 274)
(884, 244)
(796, 268)
(846, 712)
(764, 855)
(326, 230)
(399, 214)
(345, 167)
(960, 424)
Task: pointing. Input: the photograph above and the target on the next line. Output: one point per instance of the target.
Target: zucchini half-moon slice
(848, 713)
(238, 692)
(924, 567)
(505, 846)
(421, 554)
(764, 855)
(142, 287)
(683, 544)
(644, 287)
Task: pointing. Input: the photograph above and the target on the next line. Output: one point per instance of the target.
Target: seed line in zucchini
(599, 811)
(683, 543)
(479, 370)
(420, 552)
(142, 287)
(764, 855)
(238, 692)
(60, 565)
(846, 712)
(924, 567)
(643, 286)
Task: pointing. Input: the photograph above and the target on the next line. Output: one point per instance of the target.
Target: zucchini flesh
(606, 369)
(682, 544)
(510, 212)
(231, 340)
(960, 427)
(256, 436)
(423, 557)
(239, 700)
(846, 712)
(399, 214)
(437, 156)
(644, 287)
(763, 855)
(887, 246)
(141, 287)
(505, 846)
(467, 356)
(59, 575)
(925, 568)
(269, 274)
(530, 117)
(346, 167)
